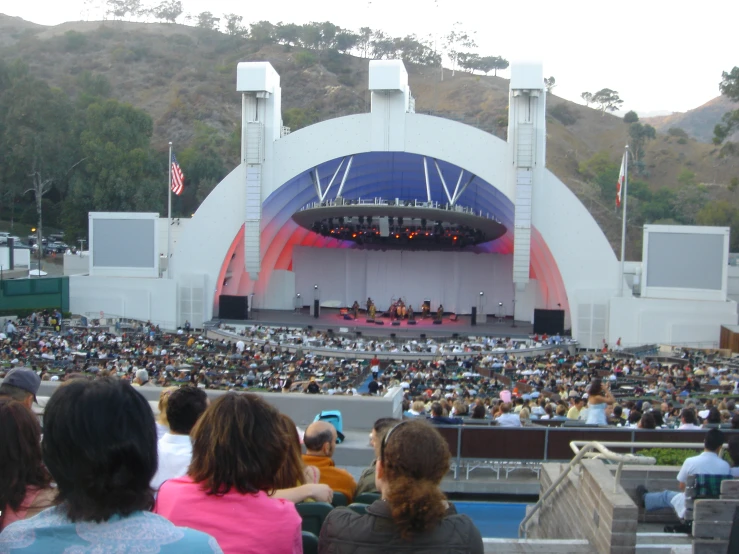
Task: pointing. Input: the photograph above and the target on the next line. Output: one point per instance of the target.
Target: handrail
(588, 447)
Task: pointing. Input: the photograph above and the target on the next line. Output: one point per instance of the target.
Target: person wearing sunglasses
(413, 514)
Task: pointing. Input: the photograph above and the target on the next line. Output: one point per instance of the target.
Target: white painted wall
(178, 228)
(138, 298)
(454, 279)
(695, 323)
(74, 264)
(21, 257)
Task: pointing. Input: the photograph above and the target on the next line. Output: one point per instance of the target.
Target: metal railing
(587, 450)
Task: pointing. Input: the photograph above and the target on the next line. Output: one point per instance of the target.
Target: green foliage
(297, 118)
(608, 100)
(720, 213)
(733, 184)
(686, 178)
(677, 132)
(730, 121)
(563, 113)
(550, 83)
(631, 117)
(305, 59)
(599, 163)
(639, 135)
(668, 456)
(74, 41)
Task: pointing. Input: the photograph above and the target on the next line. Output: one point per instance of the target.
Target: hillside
(182, 75)
(698, 122)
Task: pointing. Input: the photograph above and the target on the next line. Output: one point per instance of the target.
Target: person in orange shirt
(320, 443)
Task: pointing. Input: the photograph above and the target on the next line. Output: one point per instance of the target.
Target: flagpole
(624, 195)
(169, 213)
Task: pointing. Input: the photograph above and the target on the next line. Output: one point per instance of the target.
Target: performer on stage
(440, 312)
(371, 310)
(411, 317)
(369, 303)
(355, 309)
(425, 309)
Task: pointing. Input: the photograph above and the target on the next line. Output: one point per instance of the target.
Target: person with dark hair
(99, 445)
(184, 407)
(733, 450)
(413, 514)
(714, 417)
(367, 479)
(21, 384)
(478, 412)
(438, 417)
(618, 418)
(507, 418)
(688, 419)
(237, 450)
(707, 463)
(295, 481)
(647, 421)
(320, 443)
(24, 482)
(599, 396)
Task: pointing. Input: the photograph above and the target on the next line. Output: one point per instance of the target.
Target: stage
(332, 319)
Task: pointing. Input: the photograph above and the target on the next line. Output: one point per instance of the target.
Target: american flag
(178, 178)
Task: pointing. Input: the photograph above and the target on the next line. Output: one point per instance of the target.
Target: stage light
(298, 295)
(482, 293)
(315, 287)
(354, 235)
(500, 304)
(397, 236)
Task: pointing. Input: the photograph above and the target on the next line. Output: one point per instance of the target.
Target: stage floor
(330, 318)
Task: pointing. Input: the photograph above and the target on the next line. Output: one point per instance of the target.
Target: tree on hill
(631, 117)
(206, 20)
(608, 100)
(639, 135)
(287, 34)
(233, 25)
(365, 41)
(729, 87)
(588, 97)
(456, 40)
(169, 10)
(263, 32)
(550, 83)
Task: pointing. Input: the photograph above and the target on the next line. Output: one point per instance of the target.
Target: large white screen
(124, 243)
(685, 260)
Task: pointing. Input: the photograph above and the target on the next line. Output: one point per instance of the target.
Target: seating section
(716, 521)
(367, 498)
(339, 499)
(313, 515)
(310, 543)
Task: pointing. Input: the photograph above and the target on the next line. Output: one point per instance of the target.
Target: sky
(660, 55)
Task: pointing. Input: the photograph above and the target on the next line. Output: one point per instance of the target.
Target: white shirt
(689, 426)
(707, 463)
(509, 420)
(175, 453)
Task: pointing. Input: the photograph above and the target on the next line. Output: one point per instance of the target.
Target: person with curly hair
(413, 515)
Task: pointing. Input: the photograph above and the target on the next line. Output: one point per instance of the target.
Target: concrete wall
(144, 299)
(585, 506)
(358, 413)
(75, 264)
(693, 323)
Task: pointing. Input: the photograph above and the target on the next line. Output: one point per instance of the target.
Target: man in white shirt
(688, 420)
(506, 418)
(707, 463)
(184, 407)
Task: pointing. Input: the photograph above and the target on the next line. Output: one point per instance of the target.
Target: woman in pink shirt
(25, 487)
(237, 448)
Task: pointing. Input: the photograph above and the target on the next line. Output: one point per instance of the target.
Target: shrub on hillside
(74, 41)
(564, 114)
(305, 59)
(677, 132)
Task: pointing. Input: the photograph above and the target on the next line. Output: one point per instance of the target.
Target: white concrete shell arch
(571, 261)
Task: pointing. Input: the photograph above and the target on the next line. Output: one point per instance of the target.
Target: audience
(320, 443)
(99, 445)
(24, 481)
(21, 384)
(184, 407)
(237, 448)
(413, 514)
(294, 480)
(367, 479)
(506, 418)
(162, 424)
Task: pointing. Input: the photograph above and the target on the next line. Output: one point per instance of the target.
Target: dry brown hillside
(182, 75)
(698, 122)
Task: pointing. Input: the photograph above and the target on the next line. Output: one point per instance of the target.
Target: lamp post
(39, 246)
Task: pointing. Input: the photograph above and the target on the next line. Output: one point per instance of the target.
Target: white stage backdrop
(454, 279)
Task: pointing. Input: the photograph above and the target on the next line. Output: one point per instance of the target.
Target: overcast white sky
(660, 55)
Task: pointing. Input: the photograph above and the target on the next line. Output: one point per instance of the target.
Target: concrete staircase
(537, 546)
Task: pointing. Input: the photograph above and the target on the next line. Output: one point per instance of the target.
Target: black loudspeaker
(412, 322)
(396, 323)
(233, 307)
(550, 322)
(437, 322)
(316, 309)
(379, 323)
(473, 318)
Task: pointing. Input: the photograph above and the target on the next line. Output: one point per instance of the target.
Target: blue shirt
(51, 531)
